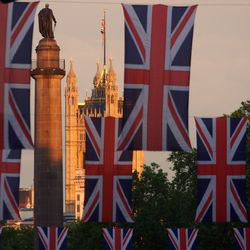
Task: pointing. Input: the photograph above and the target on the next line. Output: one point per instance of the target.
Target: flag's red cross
(11, 75)
(118, 240)
(108, 170)
(52, 240)
(183, 239)
(118, 236)
(157, 77)
(247, 238)
(9, 168)
(221, 170)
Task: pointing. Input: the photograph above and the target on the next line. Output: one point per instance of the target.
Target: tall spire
(111, 73)
(71, 71)
(71, 77)
(97, 74)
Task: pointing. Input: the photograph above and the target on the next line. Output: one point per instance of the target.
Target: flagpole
(104, 47)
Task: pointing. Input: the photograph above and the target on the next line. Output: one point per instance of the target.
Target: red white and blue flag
(10, 161)
(108, 180)
(182, 238)
(158, 47)
(16, 27)
(117, 238)
(52, 238)
(242, 238)
(221, 170)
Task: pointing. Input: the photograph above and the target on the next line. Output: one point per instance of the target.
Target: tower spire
(71, 70)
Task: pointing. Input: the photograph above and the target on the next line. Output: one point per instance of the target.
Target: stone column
(48, 178)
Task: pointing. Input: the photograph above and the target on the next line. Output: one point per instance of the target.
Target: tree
(182, 194)
(150, 202)
(183, 204)
(17, 238)
(87, 236)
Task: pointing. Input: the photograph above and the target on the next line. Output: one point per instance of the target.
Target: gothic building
(74, 145)
(104, 101)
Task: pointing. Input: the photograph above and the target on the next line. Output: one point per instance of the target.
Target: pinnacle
(71, 71)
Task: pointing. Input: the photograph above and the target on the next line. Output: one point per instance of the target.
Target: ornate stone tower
(104, 100)
(74, 142)
(111, 93)
(48, 181)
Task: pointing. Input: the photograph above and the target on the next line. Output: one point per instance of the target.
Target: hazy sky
(220, 70)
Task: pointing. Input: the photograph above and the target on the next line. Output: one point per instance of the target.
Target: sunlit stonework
(104, 101)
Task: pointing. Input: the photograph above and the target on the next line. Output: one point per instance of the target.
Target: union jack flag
(158, 46)
(242, 238)
(52, 238)
(221, 169)
(182, 238)
(10, 161)
(16, 27)
(117, 238)
(108, 180)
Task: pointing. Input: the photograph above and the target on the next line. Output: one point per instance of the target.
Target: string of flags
(158, 46)
(52, 238)
(15, 61)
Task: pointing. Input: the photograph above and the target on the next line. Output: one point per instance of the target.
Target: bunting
(221, 171)
(182, 238)
(16, 27)
(52, 238)
(108, 180)
(10, 161)
(158, 46)
(117, 238)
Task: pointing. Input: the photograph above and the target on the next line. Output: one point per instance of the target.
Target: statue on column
(46, 19)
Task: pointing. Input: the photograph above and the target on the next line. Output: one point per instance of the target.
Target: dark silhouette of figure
(45, 18)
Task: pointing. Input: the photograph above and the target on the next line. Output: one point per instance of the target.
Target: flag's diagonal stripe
(10, 200)
(238, 201)
(204, 137)
(133, 31)
(238, 130)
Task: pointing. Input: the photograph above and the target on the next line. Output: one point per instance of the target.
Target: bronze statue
(45, 18)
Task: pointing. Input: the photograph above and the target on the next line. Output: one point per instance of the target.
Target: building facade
(74, 143)
(104, 101)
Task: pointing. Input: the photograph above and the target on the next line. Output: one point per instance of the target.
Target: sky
(220, 67)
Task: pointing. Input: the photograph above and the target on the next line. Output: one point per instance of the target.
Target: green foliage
(183, 204)
(17, 239)
(182, 197)
(150, 202)
(85, 236)
(215, 236)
